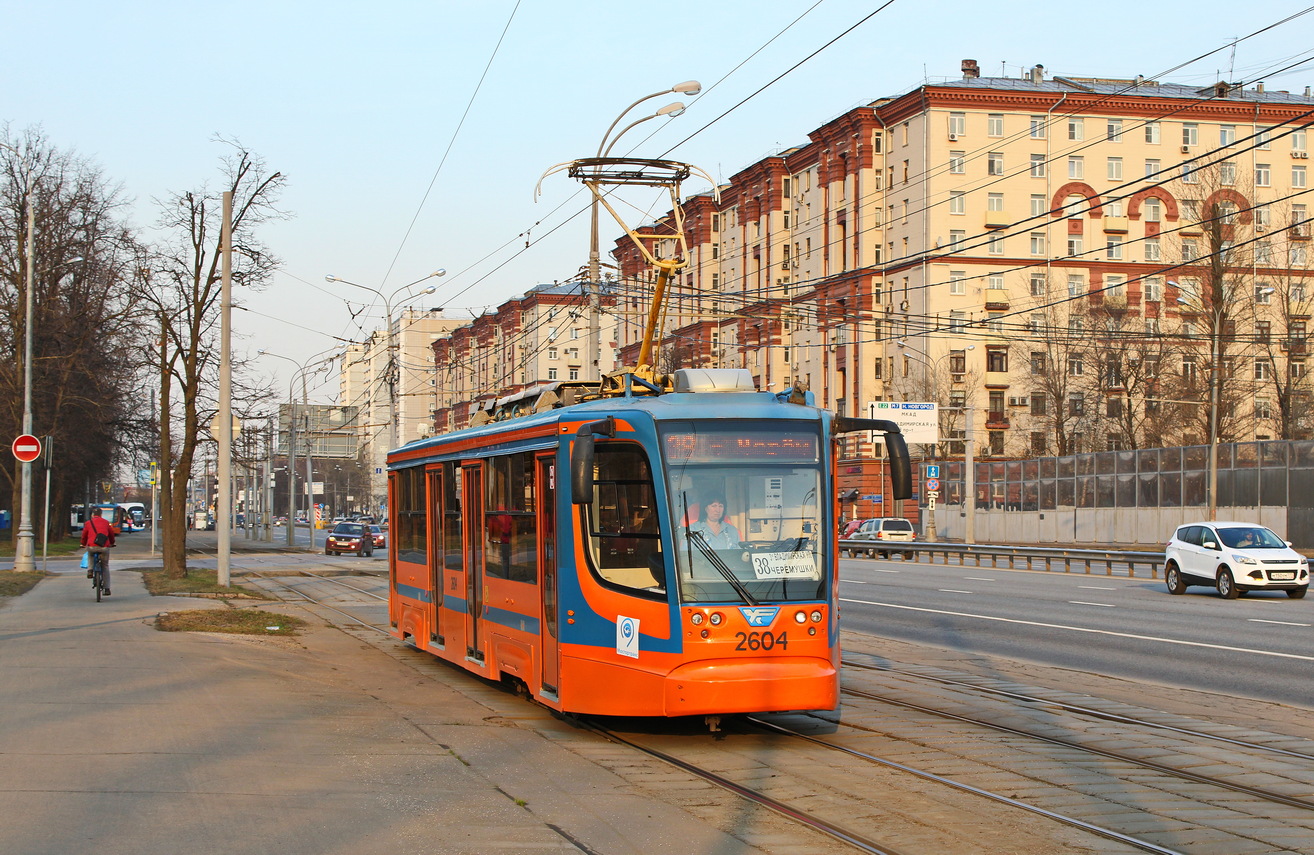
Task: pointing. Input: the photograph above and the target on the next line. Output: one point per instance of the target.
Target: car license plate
(1282, 577)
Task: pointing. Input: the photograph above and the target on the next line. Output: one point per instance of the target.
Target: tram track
(794, 796)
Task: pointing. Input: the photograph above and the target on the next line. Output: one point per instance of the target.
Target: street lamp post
(394, 364)
(969, 461)
(25, 548)
(688, 87)
(302, 368)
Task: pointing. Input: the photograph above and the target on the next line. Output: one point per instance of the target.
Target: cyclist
(98, 538)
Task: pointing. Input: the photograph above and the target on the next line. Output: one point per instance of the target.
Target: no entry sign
(27, 448)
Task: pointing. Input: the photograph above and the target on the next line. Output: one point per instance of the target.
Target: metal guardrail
(1029, 557)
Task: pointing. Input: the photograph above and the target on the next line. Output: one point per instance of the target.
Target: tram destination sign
(919, 422)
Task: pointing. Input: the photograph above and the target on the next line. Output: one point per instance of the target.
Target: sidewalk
(122, 740)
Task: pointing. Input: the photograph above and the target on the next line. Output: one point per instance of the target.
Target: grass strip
(197, 581)
(235, 621)
(17, 584)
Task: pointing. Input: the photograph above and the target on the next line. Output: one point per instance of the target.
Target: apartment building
(1063, 264)
(539, 337)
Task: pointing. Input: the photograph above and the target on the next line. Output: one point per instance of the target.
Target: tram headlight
(816, 616)
(696, 618)
(800, 617)
(716, 619)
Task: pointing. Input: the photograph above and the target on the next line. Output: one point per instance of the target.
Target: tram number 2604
(761, 640)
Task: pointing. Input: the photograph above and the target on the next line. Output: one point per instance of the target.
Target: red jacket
(94, 526)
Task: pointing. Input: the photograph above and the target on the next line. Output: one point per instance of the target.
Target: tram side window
(624, 537)
(411, 537)
(509, 519)
(452, 552)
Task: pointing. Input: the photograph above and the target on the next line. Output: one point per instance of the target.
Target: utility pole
(224, 511)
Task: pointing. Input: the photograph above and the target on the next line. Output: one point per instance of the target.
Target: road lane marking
(1095, 588)
(953, 591)
(977, 579)
(1101, 605)
(1130, 635)
(1279, 622)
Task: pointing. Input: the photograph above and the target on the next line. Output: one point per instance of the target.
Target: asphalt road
(1260, 646)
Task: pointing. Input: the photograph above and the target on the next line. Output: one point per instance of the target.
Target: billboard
(919, 422)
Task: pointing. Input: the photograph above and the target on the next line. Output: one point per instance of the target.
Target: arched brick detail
(1076, 188)
(1244, 216)
(1169, 203)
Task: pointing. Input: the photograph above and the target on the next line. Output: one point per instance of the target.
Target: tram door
(473, 492)
(547, 550)
(437, 558)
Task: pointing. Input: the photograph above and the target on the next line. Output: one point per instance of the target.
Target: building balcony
(1116, 225)
(997, 220)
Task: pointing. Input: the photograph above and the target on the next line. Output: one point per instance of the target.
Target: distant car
(280, 520)
(349, 537)
(885, 530)
(850, 527)
(380, 539)
(1234, 558)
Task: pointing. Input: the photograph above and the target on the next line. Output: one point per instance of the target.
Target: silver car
(883, 531)
(1234, 558)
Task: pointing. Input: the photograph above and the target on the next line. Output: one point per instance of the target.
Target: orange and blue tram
(668, 550)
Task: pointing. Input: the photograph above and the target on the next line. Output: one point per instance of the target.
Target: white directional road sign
(919, 422)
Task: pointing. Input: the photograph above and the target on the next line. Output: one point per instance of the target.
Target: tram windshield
(745, 512)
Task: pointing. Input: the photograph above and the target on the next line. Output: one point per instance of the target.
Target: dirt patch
(197, 581)
(237, 621)
(17, 584)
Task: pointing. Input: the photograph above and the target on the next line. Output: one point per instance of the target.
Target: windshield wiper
(697, 539)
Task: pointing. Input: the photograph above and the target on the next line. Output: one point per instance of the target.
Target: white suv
(1235, 558)
(884, 530)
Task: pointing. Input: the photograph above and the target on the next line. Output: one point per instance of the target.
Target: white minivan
(1234, 558)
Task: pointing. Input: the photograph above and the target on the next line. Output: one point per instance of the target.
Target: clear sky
(363, 106)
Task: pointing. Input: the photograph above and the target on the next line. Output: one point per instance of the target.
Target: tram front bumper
(712, 686)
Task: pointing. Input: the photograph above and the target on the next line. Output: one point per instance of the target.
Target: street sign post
(26, 448)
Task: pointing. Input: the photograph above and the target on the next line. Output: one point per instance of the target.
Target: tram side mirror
(581, 471)
(581, 459)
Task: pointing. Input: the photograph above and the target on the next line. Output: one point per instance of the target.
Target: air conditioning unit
(953, 137)
(889, 308)
(903, 306)
(1300, 155)
(1261, 229)
(1019, 402)
(957, 377)
(1186, 149)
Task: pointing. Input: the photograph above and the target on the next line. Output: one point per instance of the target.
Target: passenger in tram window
(716, 531)
(499, 534)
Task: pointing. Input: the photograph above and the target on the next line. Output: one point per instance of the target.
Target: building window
(957, 124)
(1151, 167)
(957, 202)
(552, 373)
(1038, 285)
(995, 125)
(1038, 362)
(1037, 243)
(574, 374)
(1152, 249)
(1113, 248)
(1076, 284)
(1190, 134)
(956, 236)
(1153, 289)
(1076, 365)
(1298, 140)
(1299, 181)
(995, 323)
(995, 245)
(1076, 404)
(1261, 368)
(1076, 128)
(1076, 167)
(1227, 172)
(995, 163)
(956, 159)
(1152, 133)
(1114, 130)
(1037, 127)
(1037, 443)
(1036, 323)
(1189, 174)
(1076, 246)
(1263, 138)
(995, 202)
(997, 360)
(1153, 210)
(1115, 286)
(956, 284)
(1115, 169)
(1038, 206)
(1037, 166)
(552, 353)
(957, 321)
(1263, 409)
(1226, 134)
(1263, 175)
(957, 362)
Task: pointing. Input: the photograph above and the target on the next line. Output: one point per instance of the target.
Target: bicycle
(98, 575)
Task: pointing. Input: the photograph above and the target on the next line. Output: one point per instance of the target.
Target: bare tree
(86, 366)
(184, 289)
